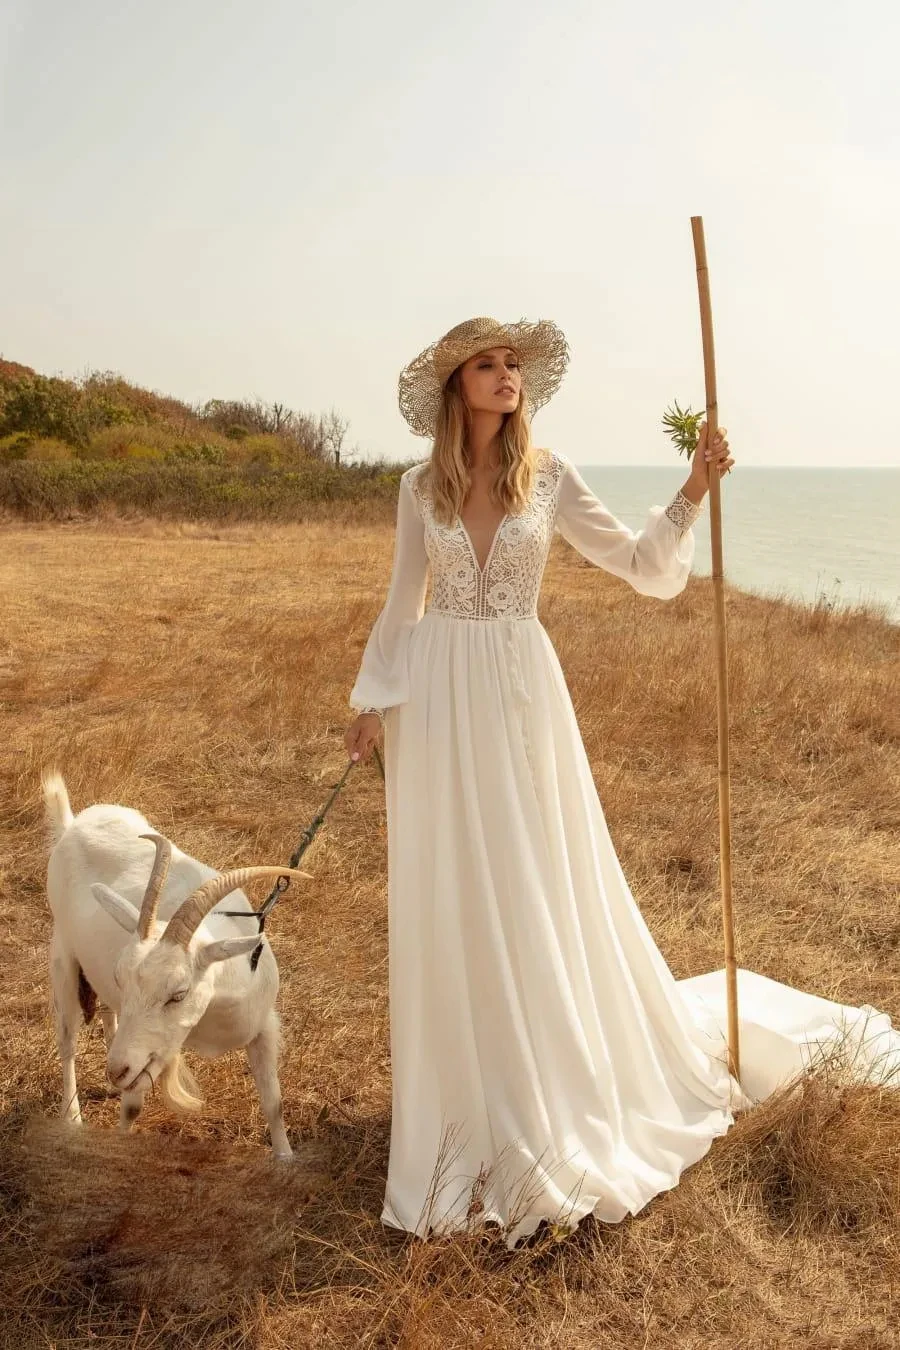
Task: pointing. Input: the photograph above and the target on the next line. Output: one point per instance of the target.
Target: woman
(545, 1061)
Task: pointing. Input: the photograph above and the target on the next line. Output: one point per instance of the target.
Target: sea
(830, 536)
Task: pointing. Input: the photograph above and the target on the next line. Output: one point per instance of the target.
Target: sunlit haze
(291, 201)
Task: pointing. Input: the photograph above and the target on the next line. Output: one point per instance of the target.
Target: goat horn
(191, 912)
(150, 902)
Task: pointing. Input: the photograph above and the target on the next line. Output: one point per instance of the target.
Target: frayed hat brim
(541, 347)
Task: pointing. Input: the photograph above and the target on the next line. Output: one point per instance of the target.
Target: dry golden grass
(201, 675)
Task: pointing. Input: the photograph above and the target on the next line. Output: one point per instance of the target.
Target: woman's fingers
(716, 452)
(359, 742)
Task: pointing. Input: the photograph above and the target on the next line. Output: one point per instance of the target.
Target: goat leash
(283, 882)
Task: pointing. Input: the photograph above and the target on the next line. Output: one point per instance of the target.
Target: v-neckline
(479, 568)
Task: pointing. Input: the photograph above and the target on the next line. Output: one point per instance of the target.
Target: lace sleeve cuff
(682, 511)
(379, 711)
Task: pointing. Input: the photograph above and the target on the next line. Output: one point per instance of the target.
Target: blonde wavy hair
(449, 477)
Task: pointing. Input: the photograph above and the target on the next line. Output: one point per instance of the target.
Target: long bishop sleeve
(383, 680)
(655, 560)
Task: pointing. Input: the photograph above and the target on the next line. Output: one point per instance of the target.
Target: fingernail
(355, 755)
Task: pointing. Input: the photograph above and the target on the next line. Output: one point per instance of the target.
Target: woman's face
(492, 381)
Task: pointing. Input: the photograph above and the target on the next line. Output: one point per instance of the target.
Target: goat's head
(165, 978)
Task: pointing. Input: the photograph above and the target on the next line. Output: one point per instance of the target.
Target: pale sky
(290, 201)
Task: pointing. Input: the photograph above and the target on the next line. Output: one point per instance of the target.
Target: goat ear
(224, 950)
(122, 910)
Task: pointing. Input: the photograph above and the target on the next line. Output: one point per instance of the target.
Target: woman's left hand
(704, 455)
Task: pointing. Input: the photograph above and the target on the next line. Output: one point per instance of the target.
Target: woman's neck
(483, 441)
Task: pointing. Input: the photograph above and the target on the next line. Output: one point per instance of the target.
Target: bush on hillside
(182, 489)
(48, 450)
(45, 406)
(115, 400)
(15, 446)
(156, 441)
(104, 417)
(188, 452)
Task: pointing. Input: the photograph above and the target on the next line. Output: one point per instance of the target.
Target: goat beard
(179, 1087)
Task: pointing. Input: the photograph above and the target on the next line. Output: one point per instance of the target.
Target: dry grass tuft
(201, 675)
(120, 1216)
(822, 1158)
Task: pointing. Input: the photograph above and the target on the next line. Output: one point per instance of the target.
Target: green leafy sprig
(683, 427)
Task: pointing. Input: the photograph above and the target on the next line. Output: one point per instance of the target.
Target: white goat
(161, 987)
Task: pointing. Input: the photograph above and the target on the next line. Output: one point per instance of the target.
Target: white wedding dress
(546, 1063)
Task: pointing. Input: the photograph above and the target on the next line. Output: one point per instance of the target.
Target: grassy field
(201, 674)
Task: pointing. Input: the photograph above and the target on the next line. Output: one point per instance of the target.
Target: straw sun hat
(542, 351)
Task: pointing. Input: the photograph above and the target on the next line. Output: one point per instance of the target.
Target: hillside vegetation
(100, 445)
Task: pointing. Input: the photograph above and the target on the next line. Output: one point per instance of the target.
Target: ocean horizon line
(744, 467)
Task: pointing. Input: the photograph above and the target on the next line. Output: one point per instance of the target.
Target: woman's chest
(488, 564)
(481, 518)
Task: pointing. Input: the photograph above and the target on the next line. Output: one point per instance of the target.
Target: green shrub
(158, 442)
(104, 418)
(188, 453)
(125, 441)
(48, 450)
(46, 406)
(15, 446)
(181, 489)
(113, 401)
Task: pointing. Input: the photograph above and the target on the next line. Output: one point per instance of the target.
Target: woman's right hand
(361, 735)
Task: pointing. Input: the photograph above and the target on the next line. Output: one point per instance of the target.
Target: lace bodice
(655, 560)
(508, 585)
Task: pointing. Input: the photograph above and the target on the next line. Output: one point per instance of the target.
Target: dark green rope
(306, 839)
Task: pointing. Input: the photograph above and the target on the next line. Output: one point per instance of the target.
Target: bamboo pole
(721, 645)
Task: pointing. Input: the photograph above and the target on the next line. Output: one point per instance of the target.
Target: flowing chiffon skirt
(546, 1063)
